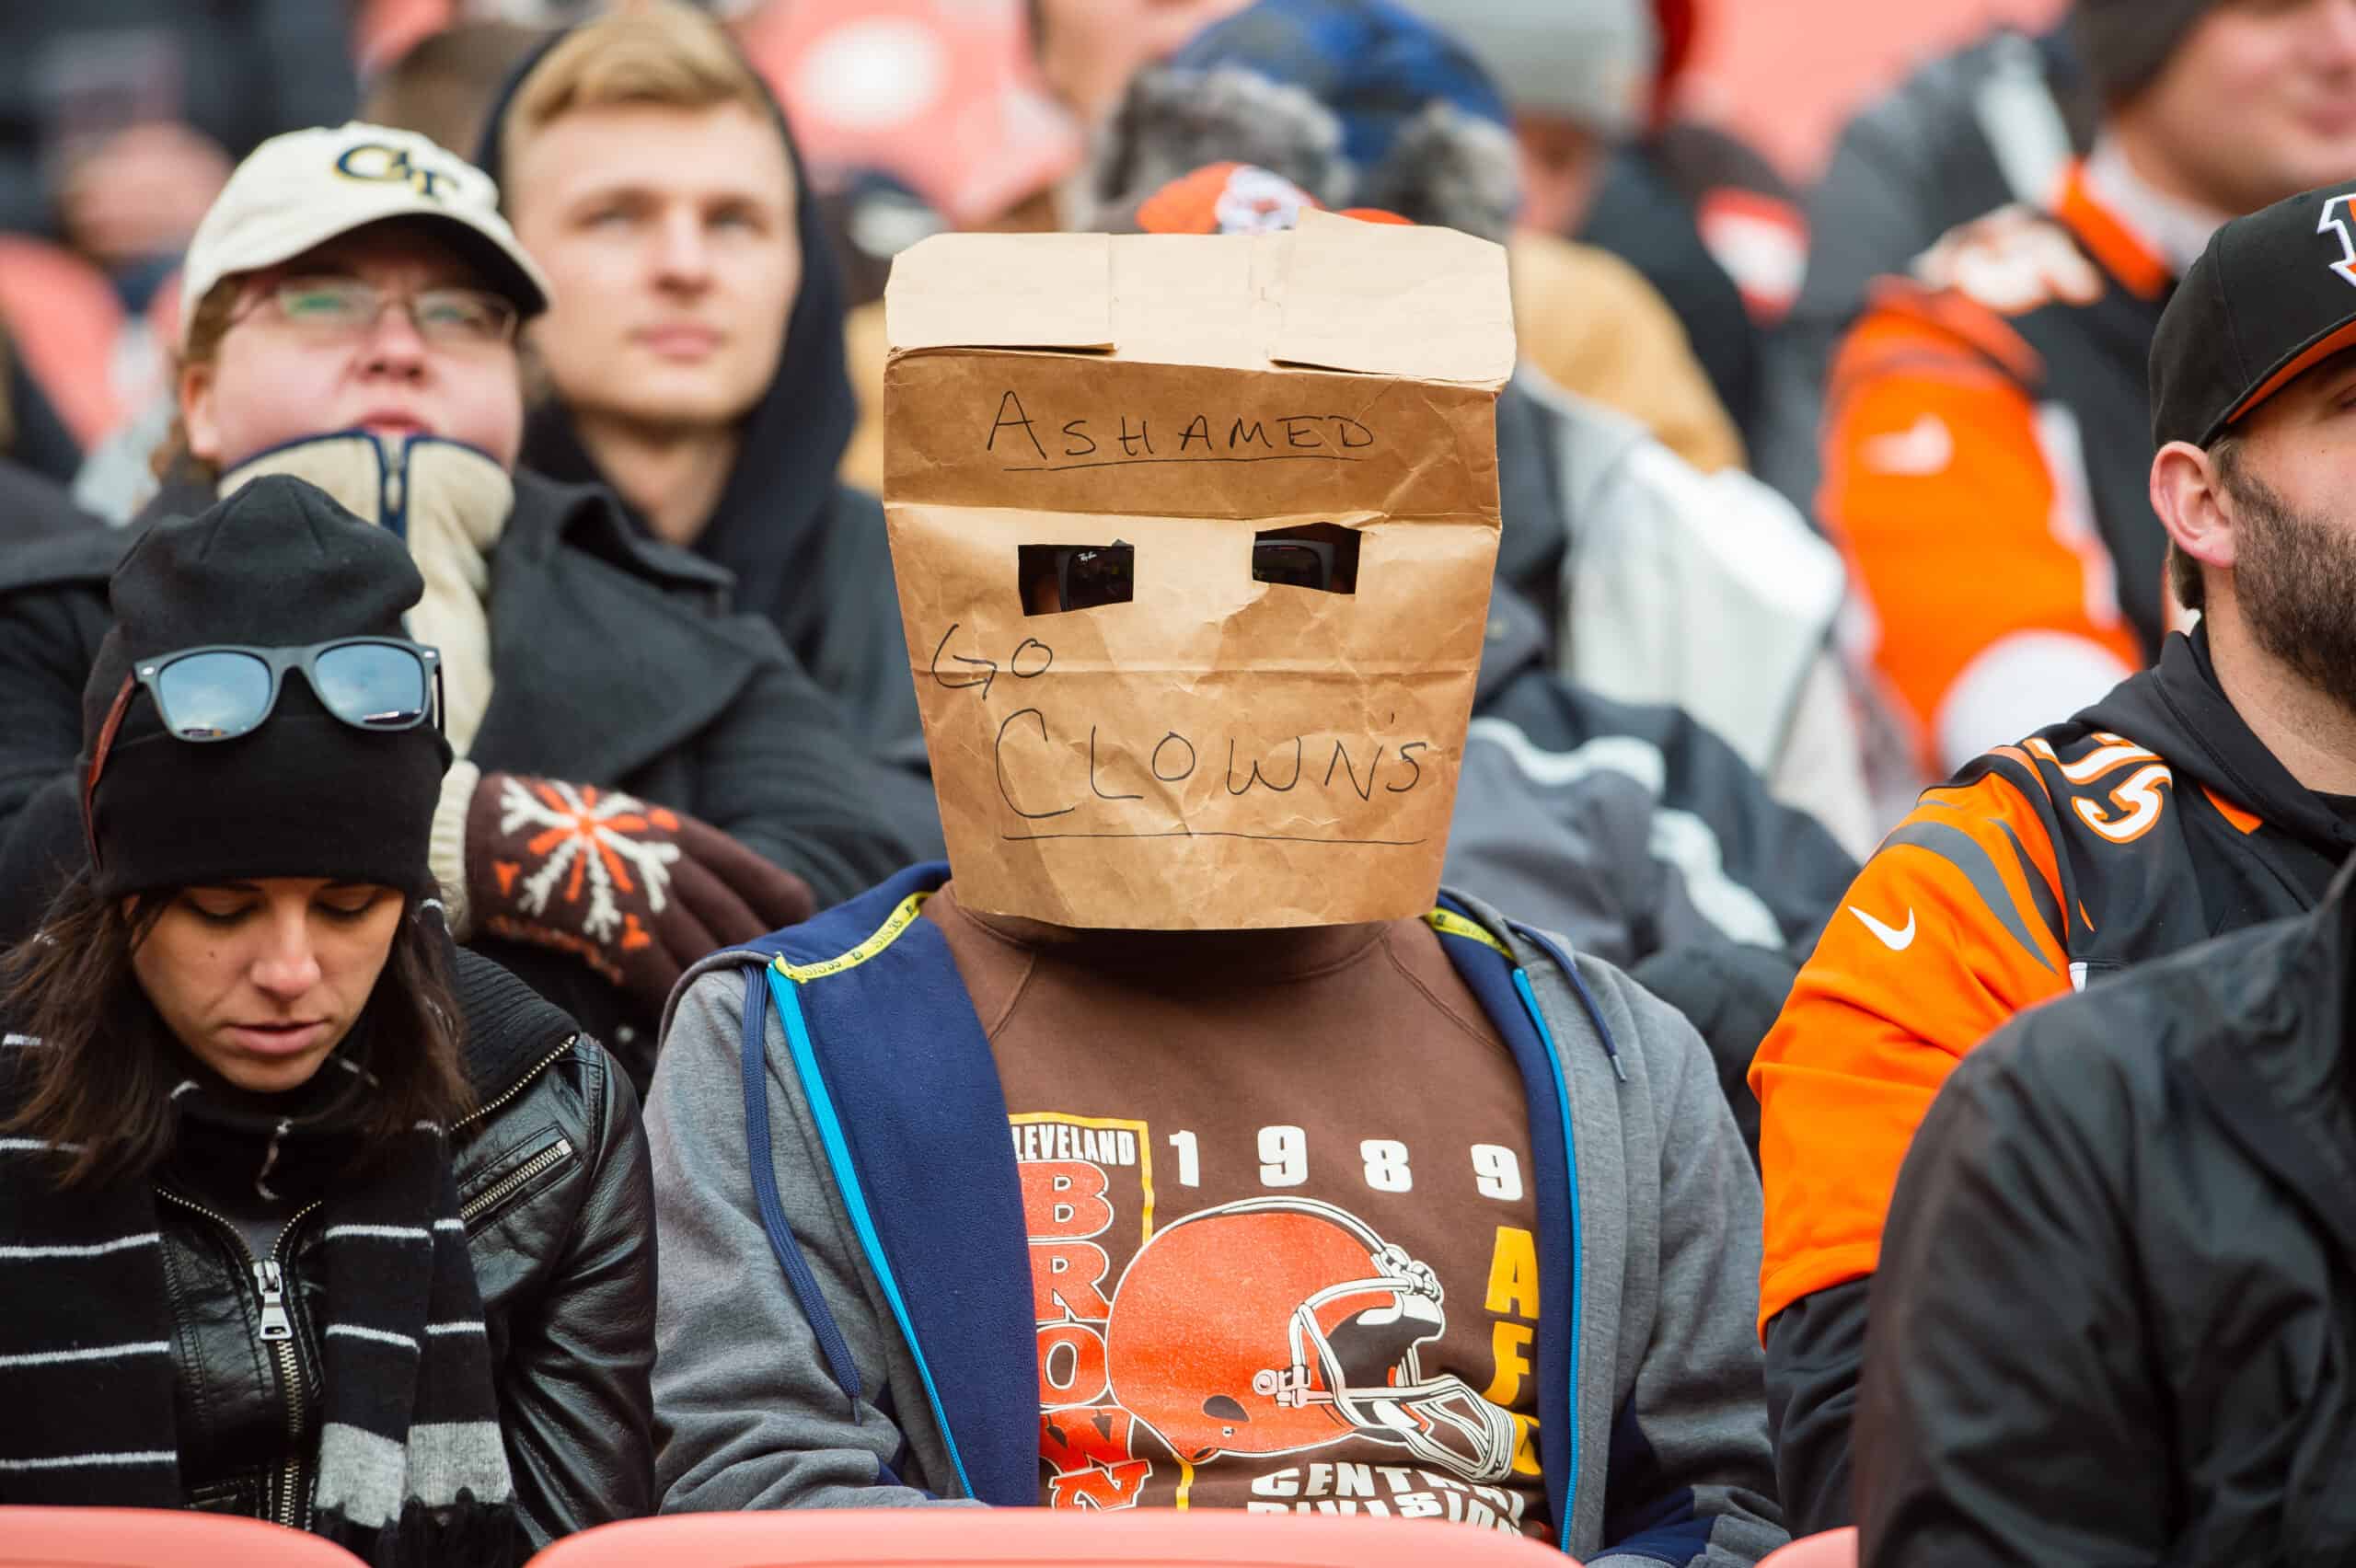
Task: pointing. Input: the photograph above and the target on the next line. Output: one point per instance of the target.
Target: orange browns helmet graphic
(1273, 1325)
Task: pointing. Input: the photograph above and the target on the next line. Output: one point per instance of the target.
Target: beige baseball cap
(307, 187)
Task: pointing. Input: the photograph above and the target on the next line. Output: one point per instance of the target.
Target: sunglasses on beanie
(225, 690)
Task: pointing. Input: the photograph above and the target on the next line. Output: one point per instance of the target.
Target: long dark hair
(98, 1084)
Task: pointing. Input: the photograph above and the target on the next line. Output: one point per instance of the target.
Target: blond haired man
(694, 356)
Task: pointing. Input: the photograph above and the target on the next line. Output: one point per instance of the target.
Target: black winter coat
(2114, 1320)
(615, 662)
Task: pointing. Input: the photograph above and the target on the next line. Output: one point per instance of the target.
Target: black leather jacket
(558, 1199)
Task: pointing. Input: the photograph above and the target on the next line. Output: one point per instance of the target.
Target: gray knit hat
(1586, 61)
(2123, 44)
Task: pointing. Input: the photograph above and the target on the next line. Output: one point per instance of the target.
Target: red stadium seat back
(1833, 1548)
(1039, 1537)
(156, 1538)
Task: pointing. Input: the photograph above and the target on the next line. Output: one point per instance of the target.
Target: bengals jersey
(2151, 822)
(1987, 453)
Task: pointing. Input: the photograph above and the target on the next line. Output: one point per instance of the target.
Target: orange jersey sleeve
(1952, 926)
(1962, 509)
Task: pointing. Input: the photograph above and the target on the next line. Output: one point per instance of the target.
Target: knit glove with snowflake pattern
(636, 892)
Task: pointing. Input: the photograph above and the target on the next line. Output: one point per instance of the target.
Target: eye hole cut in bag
(1059, 579)
(1320, 556)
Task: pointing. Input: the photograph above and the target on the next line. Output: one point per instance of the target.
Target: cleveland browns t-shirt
(1283, 1250)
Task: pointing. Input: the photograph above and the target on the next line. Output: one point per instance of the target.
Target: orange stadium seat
(156, 1538)
(1833, 1548)
(1037, 1537)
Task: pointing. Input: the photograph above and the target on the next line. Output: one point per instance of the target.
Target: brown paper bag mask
(1194, 538)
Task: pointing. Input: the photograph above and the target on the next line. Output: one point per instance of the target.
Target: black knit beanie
(2123, 44)
(277, 565)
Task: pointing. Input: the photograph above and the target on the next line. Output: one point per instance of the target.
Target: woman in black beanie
(262, 1129)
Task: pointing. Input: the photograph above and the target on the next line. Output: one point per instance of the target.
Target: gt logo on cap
(375, 161)
(2335, 220)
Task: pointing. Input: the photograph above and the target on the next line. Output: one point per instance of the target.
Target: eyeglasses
(344, 309)
(226, 690)
(1091, 575)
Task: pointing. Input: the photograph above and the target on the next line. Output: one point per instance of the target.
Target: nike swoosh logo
(1890, 936)
(1925, 448)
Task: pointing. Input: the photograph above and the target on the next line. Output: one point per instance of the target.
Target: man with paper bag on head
(1188, 1147)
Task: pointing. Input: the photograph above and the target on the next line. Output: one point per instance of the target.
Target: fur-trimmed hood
(1356, 101)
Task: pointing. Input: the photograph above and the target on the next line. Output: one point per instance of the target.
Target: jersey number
(2138, 801)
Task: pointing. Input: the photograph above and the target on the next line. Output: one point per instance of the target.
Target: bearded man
(2212, 792)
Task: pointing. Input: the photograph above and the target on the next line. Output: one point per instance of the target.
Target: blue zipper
(830, 1134)
(1563, 961)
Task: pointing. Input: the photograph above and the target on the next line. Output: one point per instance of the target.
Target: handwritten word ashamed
(1092, 442)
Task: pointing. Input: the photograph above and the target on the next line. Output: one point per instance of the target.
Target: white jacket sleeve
(1708, 592)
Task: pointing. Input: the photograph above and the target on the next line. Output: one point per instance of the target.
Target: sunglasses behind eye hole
(1056, 579)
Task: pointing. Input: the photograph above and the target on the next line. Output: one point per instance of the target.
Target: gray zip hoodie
(1671, 1397)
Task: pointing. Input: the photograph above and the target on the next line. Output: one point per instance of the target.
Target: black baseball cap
(2273, 296)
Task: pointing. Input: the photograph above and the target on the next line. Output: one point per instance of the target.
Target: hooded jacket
(847, 1310)
(2163, 1167)
(806, 551)
(614, 664)
(2153, 821)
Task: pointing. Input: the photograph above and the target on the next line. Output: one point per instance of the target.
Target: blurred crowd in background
(1685, 135)
(1707, 188)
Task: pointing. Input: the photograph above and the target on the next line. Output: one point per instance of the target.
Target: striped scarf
(410, 1469)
